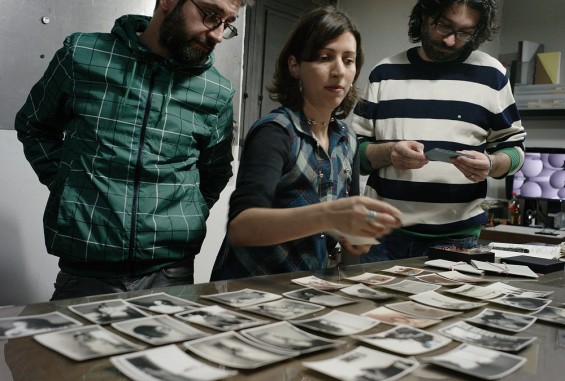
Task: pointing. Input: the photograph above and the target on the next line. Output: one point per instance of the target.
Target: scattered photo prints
(456, 276)
(232, 349)
(411, 286)
(437, 279)
(478, 362)
(522, 302)
(107, 311)
(405, 340)
(511, 290)
(403, 270)
(475, 292)
(386, 315)
(503, 320)
(434, 299)
(167, 363)
(337, 323)
(284, 309)
(371, 278)
(85, 343)
(362, 291)
(318, 283)
(243, 298)
(159, 330)
(364, 363)
(287, 337)
(421, 310)
(219, 318)
(163, 303)
(467, 333)
(551, 314)
(19, 326)
(319, 297)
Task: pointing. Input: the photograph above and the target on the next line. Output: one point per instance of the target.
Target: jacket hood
(127, 28)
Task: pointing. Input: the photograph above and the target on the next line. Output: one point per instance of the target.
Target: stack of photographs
(407, 341)
(163, 303)
(284, 309)
(337, 323)
(219, 318)
(506, 321)
(107, 311)
(438, 279)
(159, 330)
(320, 297)
(469, 334)
(20, 326)
(243, 298)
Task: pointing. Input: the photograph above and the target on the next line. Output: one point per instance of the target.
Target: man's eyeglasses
(213, 21)
(447, 31)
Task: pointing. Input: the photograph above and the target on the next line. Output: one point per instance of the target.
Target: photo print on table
(551, 314)
(435, 299)
(167, 363)
(388, 316)
(107, 311)
(516, 291)
(285, 336)
(364, 363)
(163, 303)
(371, 279)
(85, 343)
(219, 318)
(487, 364)
(522, 302)
(470, 334)
(318, 283)
(504, 320)
(233, 350)
(159, 330)
(323, 298)
(404, 340)
(456, 276)
(421, 310)
(20, 326)
(243, 298)
(437, 279)
(463, 267)
(362, 291)
(337, 323)
(403, 270)
(475, 292)
(284, 309)
(411, 286)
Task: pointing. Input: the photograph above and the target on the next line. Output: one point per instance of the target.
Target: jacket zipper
(137, 175)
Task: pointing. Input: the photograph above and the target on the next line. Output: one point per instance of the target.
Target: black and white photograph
(318, 283)
(551, 314)
(470, 334)
(421, 310)
(411, 286)
(219, 318)
(506, 288)
(475, 292)
(19, 326)
(168, 363)
(364, 364)
(435, 299)
(463, 267)
(362, 291)
(371, 279)
(404, 340)
(404, 270)
(284, 309)
(478, 362)
(287, 337)
(456, 276)
(337, 323)
(522, 302)
(506, 321)
(323, 298)
(243, 298)
(388, 316)
(233, 350)
(85, 343)
(439, 280)
(159, 330)
(163, 303)
(107, 311)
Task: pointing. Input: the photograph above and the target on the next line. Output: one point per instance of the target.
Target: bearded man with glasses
(131, 131)
(444, 94)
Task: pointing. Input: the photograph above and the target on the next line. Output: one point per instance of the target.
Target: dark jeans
(73, 286)
(396, 246)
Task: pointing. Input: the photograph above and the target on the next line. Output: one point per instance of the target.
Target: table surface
(25, 359)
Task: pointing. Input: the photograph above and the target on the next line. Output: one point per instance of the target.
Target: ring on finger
(371, 216)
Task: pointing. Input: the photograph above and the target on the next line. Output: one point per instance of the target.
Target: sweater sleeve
(265, 155)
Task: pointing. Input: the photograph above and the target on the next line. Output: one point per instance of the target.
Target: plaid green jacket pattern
(134, 148)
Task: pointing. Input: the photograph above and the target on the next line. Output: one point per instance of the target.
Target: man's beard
(174, 39)
(438, 51)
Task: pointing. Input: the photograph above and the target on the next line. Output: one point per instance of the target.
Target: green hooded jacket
(134, 148)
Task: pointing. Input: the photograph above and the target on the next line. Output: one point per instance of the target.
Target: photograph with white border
(323, 298)
(337, 323)
(107, 311)
(318, 283)
(403, 270)
(456, 276)
(438, 279)
(163, 303)
(159, 330)
(371, 279)
(475, 292)
(27, 325)
(388, 316)
(421, 310)
(411, 286)
(506, 288)
(284, 309)
(522, 302)
(362, 291)
(219, 318)
(243, 298)
(470, 334)
(551, 314)
(504, 320)
(435, 299)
